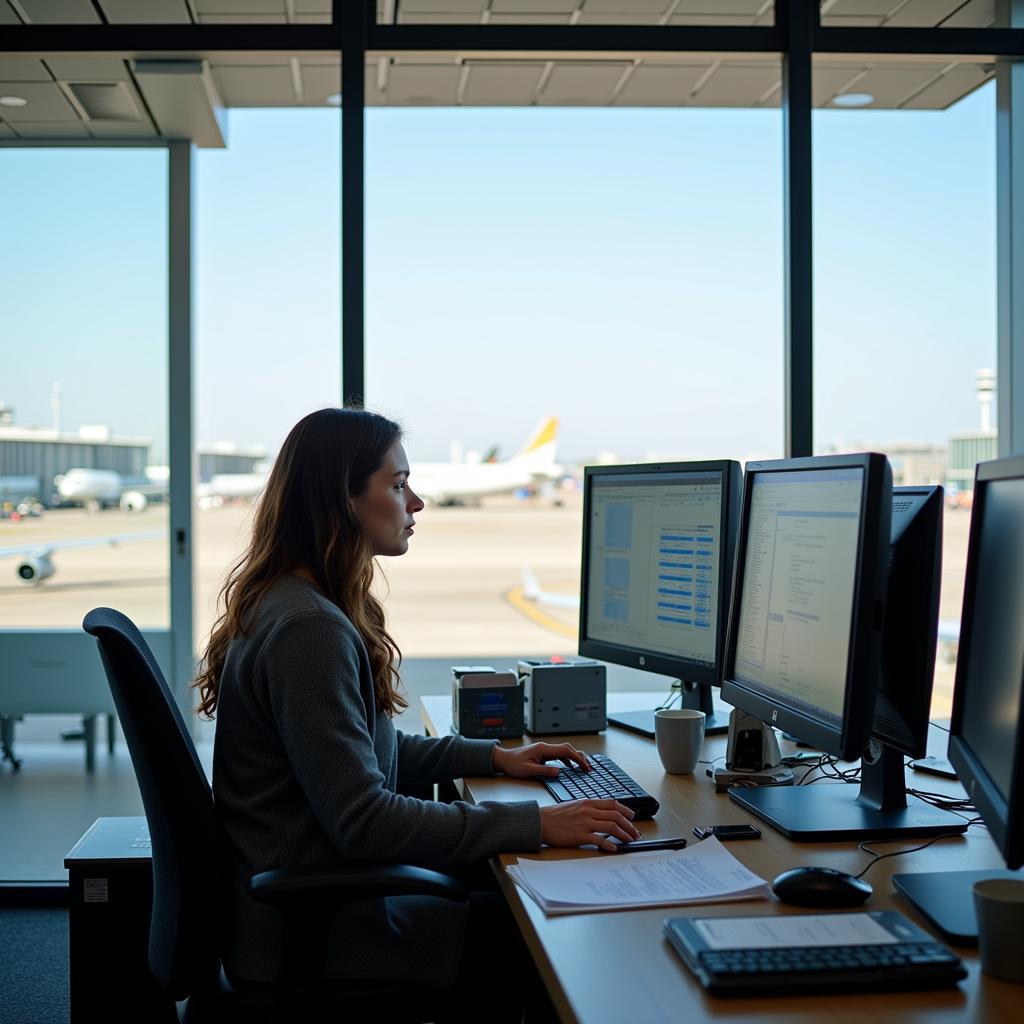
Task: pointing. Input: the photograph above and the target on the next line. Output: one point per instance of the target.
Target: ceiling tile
(146, 12)
(950, 87)
(529, 19)
(660, 86)
(313, 7)
(16, 70)
(242, 19)
(443, 6)
(6, 132)
(583, 83)
(493, 84)
(891, 86)
(423, 84)
(627, 6)
(255, 85)
(79, 69)
(748, 8)
(529, 8)
(50, 130)
(122, 129)
(319, 82)
(737, 85)
(973, 14)
(312, 19)
(456, 18)
(619, 19)
(60, 12)
(827, 80)
(7, 15)
(240, 7)
(45, 103)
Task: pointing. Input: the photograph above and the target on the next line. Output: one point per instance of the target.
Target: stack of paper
(705, 873)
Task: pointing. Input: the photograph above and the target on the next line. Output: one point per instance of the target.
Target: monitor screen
(989, 680)
(799, 578)
(653, 562)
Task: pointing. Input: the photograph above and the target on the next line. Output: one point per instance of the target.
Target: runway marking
(517, 600)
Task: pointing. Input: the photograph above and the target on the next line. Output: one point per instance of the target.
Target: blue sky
(619, 268)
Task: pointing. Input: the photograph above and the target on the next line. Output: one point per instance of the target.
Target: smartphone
(646, 845)
(727, 832)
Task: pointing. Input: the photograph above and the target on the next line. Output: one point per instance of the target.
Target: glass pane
(533, 264)
(83, 426)
(267, 315)
(905, 249)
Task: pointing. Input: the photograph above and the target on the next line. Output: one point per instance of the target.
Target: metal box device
(564, 696)
(486, 704)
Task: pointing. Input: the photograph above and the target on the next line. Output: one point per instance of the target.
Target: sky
(621, 269)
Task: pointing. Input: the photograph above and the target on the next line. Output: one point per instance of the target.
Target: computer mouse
(820, 887)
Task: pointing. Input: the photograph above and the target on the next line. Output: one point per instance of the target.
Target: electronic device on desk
(805, 953)
(658, 543)
(833, 637)
(486, 704)
(986, 735)
(752, 755)
(605, 781)
(564, 696)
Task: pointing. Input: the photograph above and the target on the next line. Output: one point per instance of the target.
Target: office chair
(188, 873)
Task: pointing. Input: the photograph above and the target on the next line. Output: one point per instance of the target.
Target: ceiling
(81, 97)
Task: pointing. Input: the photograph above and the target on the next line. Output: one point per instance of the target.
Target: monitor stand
(830, 812)
(695, 696)
(946, 900)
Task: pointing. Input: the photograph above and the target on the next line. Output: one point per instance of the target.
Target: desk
(616, 967)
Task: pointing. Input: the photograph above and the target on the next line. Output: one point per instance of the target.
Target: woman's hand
(530, 762)
(579, 822)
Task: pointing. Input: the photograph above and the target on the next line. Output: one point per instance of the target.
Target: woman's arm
(423, 759)
(311, 668)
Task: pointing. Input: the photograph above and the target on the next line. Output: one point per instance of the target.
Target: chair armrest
(330, 886)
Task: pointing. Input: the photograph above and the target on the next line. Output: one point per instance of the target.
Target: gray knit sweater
(305, 771)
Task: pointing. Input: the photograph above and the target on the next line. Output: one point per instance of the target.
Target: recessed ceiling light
(13, 101)
(334, 99)
(853, 99)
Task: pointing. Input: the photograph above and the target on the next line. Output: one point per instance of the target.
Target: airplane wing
(47, 547)
(36, 565)
(532, 592)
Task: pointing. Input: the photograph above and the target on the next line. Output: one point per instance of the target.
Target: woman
(302, 675)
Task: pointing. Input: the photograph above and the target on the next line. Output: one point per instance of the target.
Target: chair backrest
(187, 862)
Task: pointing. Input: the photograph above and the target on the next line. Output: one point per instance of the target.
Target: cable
(899, 853)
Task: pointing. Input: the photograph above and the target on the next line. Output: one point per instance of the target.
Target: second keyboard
(605, 781)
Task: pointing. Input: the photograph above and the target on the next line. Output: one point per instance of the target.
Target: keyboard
(917, 963)
(605, 781)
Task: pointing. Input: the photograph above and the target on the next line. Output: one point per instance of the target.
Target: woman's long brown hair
(305, 519)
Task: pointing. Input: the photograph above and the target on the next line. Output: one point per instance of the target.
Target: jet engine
(35, 569)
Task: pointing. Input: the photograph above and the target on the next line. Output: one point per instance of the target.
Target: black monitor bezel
(911, 733)
(657, 661)
(848, 740)
(1004, 817)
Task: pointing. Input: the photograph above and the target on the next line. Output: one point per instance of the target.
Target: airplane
(103, 488)
(449, 483)
(35, 563)
(223, 487)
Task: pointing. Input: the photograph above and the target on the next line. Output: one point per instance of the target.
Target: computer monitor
(833, 637)
(986, 740)
(658, 547)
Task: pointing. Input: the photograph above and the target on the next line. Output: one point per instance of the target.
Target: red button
(493, 721)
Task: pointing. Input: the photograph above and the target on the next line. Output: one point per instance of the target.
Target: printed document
(704, 873)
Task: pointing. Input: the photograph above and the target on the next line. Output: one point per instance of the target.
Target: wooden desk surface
(617, 967)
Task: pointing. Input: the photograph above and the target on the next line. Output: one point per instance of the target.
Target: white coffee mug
(999, 903)
(679, 733)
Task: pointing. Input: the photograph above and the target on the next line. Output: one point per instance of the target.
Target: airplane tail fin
(541, 447)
